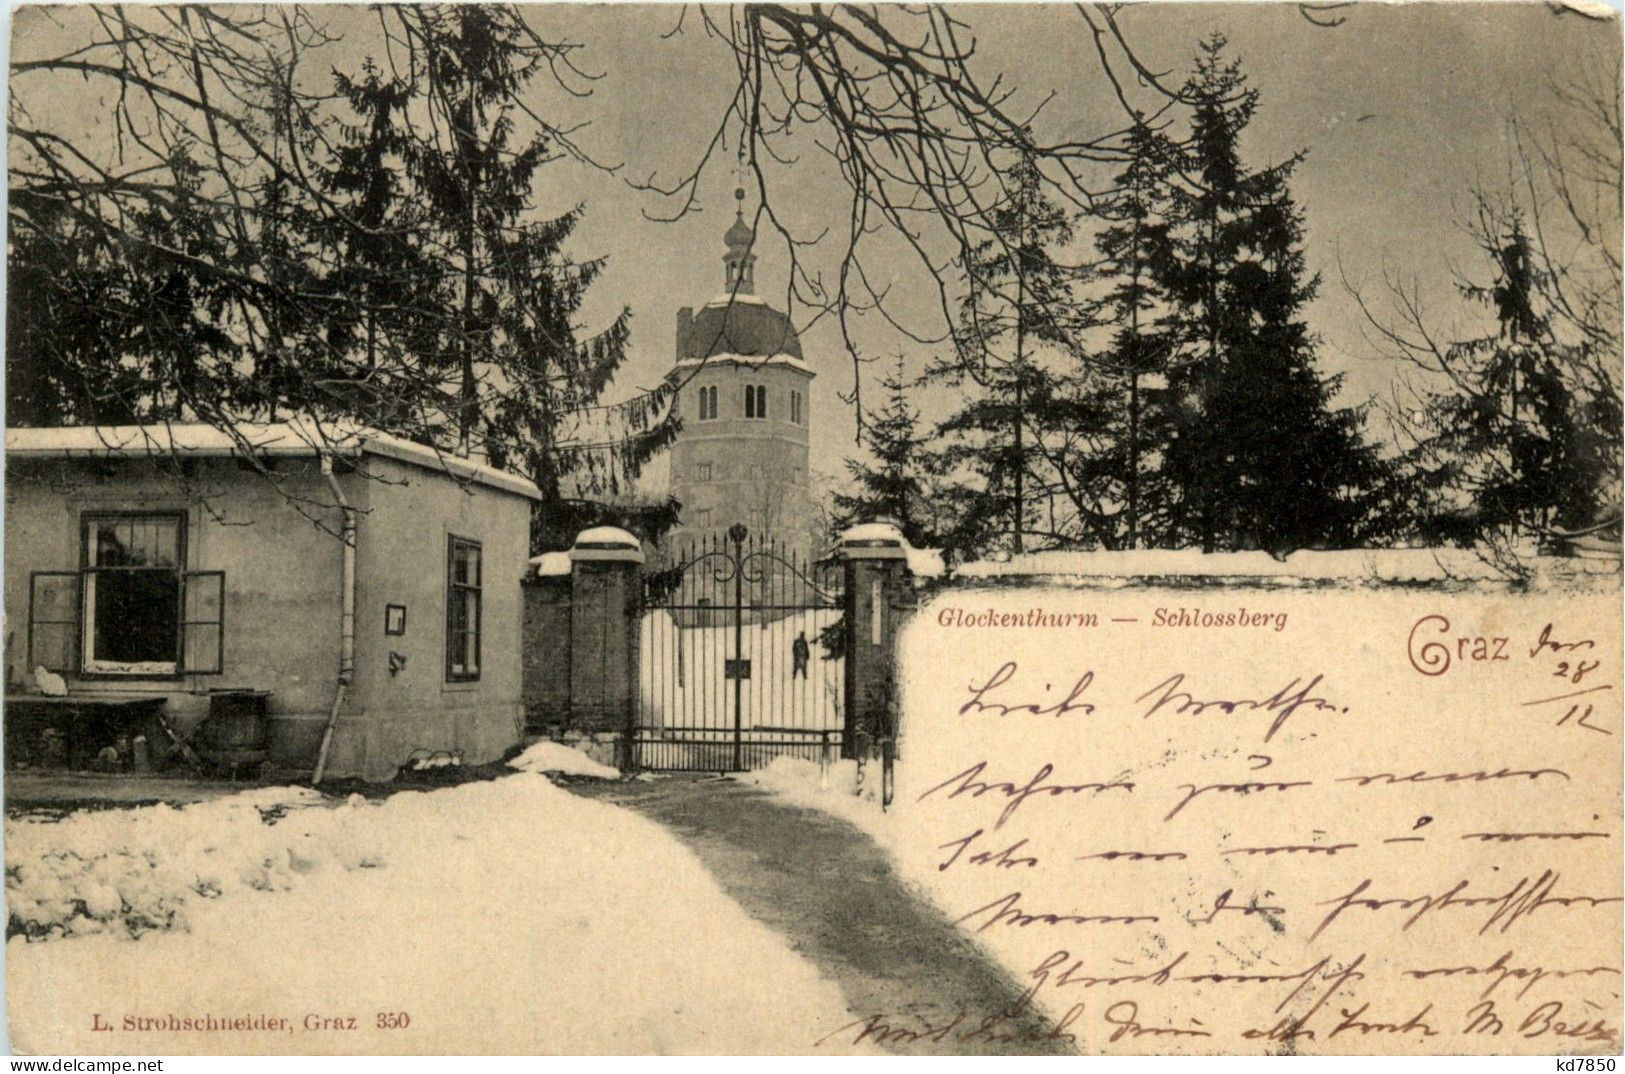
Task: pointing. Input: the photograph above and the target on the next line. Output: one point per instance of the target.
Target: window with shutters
(131, 609)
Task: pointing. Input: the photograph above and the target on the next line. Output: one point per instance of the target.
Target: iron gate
(741, 657)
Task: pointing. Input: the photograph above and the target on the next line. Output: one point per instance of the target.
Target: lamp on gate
(737, 532)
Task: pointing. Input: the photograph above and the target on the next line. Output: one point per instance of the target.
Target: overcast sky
(1400, 109)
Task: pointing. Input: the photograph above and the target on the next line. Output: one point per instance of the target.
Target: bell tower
(745, 402)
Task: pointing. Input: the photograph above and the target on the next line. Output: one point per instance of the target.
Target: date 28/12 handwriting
(1434, 649)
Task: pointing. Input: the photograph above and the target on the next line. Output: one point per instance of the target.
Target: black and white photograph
(908, 529)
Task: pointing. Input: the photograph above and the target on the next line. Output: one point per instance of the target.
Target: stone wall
(545, 659)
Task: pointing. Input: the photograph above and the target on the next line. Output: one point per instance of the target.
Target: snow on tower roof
(790, 361)
(739, 326)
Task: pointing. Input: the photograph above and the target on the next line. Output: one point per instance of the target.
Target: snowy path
(917, 985)
(506, 916)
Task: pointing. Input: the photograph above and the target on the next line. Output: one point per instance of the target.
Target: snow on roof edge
(737, 298)
(781, 358)
(287, 439)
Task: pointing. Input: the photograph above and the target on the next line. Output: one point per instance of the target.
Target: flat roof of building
(301, 438)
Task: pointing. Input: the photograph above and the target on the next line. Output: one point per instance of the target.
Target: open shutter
(53, 620)
(203, 622)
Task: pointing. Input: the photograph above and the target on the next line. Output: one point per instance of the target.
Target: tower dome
(739, 237)
(739, 262)
(736, 321)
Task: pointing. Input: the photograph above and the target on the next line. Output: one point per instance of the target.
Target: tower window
(795, 408)
(708, 403)
(702, 471)
(756, 400)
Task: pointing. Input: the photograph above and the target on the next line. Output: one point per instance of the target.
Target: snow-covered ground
(838, 789)
(683, 672)
(548, 756)
(499, 916)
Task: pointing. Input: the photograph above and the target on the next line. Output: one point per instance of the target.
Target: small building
(178, 561)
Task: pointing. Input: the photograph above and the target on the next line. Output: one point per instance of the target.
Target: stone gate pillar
(879, 593)
(606, 581)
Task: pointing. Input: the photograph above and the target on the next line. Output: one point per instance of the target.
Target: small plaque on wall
(394, 619)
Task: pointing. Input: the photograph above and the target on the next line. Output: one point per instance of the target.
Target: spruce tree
(527, 382)
(1259, 454)
(386, 329)
(896, 483)
(1127, 378)
(1018, 303)
(1511, 449)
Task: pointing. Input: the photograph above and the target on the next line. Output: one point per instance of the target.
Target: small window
(462, 610)
(131, 593)
(702, 518)
(756, 401)
(795, 407)
(702, 471)
(708, 403)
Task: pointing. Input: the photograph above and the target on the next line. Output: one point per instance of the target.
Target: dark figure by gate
(798, 655)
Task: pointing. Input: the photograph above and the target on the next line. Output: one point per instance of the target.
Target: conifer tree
(1018, 303)
(896, 483)
(1259, 454)
(1125, 381)
(526, 380)
(519, 365)
(1512, 449)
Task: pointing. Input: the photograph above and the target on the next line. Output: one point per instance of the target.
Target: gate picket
(741, 657)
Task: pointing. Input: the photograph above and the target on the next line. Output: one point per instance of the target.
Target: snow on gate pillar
(606, 580)
(878, 594)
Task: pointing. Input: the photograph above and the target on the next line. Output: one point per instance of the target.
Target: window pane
(110, 546)
(135, 616)
(473, 565)
(134, 542)
(471, 652)
(161, 543)
(456, 621)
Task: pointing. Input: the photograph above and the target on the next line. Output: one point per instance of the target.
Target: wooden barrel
(238, 726)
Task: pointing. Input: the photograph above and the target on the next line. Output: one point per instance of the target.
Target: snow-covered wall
(1348, 567)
